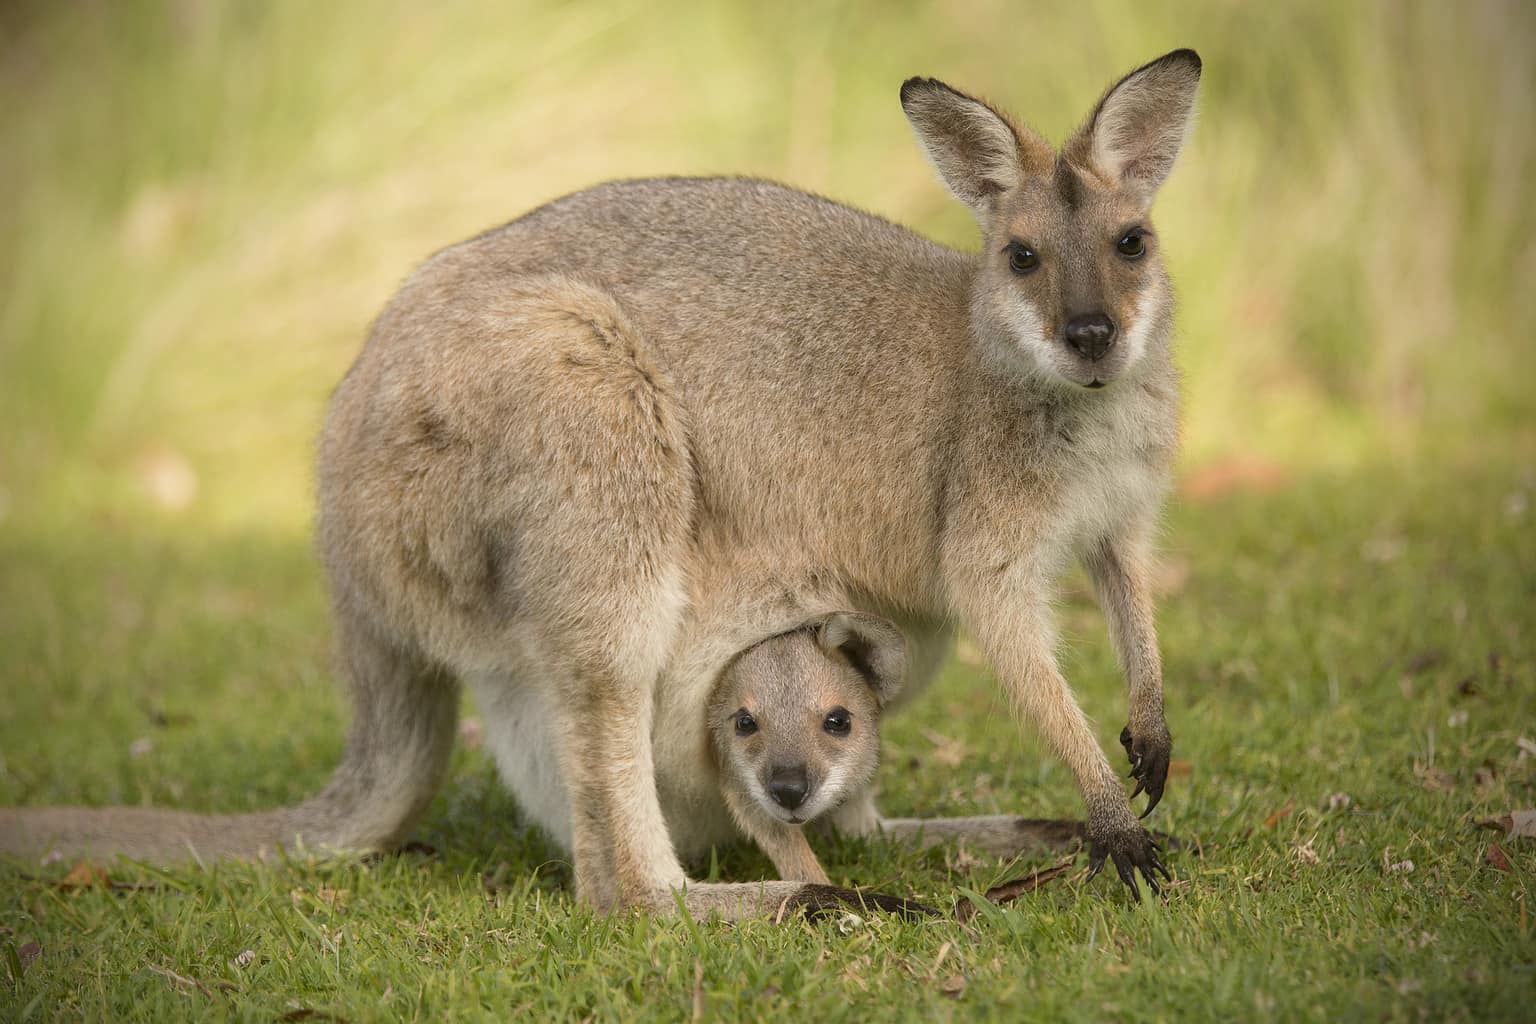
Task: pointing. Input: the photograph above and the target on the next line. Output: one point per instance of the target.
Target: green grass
(202, 206)
(1330, 657)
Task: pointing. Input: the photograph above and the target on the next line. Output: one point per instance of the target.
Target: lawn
(204, 206)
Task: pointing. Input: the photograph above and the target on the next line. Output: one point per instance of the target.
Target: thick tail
(397, 752)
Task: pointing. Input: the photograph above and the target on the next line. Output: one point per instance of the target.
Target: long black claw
(1096, 856)
(1127, 874)
(1152, 799)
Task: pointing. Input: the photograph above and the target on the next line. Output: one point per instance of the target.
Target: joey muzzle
(788, 787)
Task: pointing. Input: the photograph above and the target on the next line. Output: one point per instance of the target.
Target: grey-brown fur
(587, 457)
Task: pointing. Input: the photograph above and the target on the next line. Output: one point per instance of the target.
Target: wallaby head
(1071, 287)
(794, 720)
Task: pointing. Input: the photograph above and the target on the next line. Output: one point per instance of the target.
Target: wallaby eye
(1021, 258)
(746, 725)
(1132, 244)
(838, 722)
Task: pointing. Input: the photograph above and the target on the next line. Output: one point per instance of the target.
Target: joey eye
(838, 722)
(746, 725)
(1132, 244)
(1022, 259)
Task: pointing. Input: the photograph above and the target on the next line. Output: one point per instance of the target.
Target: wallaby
(587, 457)
(794, 727)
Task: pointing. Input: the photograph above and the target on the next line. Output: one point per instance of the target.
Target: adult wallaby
(587, 457)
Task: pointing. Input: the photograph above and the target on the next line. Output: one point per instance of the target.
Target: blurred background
(202, 205)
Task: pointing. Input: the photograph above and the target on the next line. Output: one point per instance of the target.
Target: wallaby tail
(397, 752)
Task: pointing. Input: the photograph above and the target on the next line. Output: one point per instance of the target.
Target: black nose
(1091, 335)
(788, 787)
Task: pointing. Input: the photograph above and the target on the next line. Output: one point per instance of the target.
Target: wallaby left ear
(979, 153)
(873, 645)
(1137, 129)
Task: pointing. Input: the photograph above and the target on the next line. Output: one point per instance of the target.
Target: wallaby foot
(1130, 846)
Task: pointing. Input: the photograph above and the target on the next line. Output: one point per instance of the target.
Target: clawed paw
(1149, 754)
(1132, 851)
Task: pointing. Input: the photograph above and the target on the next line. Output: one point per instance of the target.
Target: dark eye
(1021, 258)
(838, 722)
(1132, 245)
(746, 725)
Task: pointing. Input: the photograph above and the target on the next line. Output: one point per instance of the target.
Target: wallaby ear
(873, 645)
(977, 151)
(1138, 127)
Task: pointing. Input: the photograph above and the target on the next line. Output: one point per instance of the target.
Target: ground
(1350, 692)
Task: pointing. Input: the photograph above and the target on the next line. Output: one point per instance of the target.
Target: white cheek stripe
(1027, 326)
(1135, 337)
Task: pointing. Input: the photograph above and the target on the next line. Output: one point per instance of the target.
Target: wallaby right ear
(1136, 131)
(874, 646)
(977, 151)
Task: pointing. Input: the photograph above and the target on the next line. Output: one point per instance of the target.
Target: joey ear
(977, 151)
(1138, 127)
(873, 645)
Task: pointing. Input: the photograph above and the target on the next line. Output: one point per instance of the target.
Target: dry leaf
(1178, 769)
(954, 986)
(471, 733)
(84, 875)
(1007, 892)
(1497, 858)
(1284, 812)
(1516, 824)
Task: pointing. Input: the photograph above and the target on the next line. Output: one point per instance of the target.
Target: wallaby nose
(788, 787)
(1091, 335)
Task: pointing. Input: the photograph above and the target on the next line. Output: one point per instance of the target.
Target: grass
(1373, 649)
(204, 204)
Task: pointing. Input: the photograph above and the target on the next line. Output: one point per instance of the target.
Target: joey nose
(1090, 335)
(788, 787)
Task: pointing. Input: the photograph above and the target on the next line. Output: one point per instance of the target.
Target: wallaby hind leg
(604, 493)
(398, 746)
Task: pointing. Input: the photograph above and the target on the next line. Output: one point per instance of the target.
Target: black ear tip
(1186, 56)
(918, 85)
